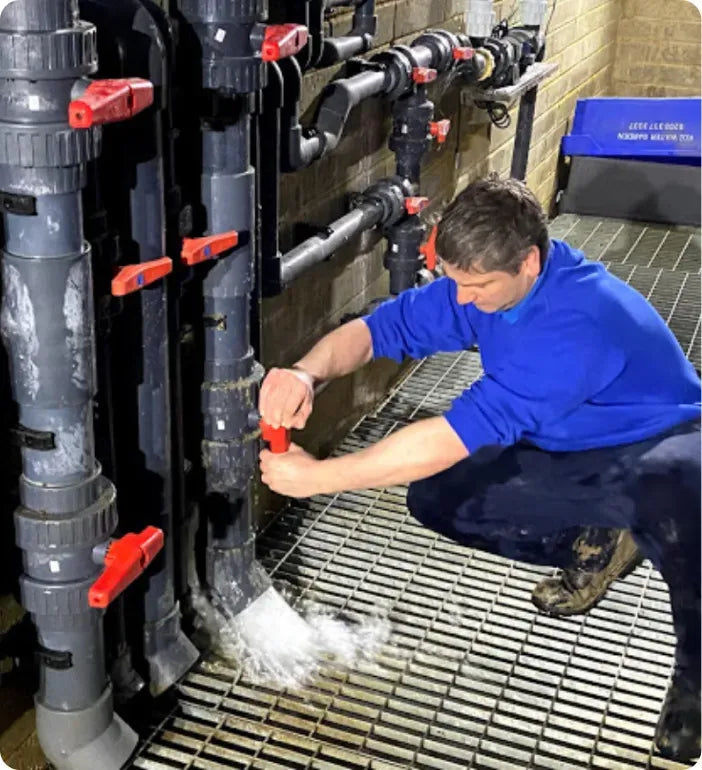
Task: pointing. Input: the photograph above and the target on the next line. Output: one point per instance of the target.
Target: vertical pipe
(228, 39)
(168, 651)
(47, 324)
(231, 373)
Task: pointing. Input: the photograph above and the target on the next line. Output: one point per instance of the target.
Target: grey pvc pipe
(318, 248)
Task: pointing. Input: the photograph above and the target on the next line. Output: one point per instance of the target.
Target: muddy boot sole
(617, 569)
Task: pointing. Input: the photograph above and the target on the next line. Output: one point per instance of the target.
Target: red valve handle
(463, 53)
(429, 248)
(109, 101)
(277, 438)
(197, 250)
(125, 560)
(134, 277)
(416, 204)
(423, 74)
(282, 40)
(440, 129)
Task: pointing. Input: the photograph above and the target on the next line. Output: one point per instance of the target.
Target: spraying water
(274, 645)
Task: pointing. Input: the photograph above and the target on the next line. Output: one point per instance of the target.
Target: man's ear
(532, 262)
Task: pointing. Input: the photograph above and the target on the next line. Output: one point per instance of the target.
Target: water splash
(274, 645)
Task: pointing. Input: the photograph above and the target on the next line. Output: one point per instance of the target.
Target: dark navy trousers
(525, 503)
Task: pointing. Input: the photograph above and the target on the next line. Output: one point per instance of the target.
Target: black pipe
(359, 40)
(298, 147)
(340, 98)
(388, 73)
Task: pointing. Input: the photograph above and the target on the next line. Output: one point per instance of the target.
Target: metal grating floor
(472, 676)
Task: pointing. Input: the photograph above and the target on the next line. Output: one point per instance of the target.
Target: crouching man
(579, 447)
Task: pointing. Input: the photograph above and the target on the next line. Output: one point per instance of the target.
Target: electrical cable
(497, 112)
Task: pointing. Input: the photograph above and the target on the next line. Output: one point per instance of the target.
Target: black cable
(497, 112)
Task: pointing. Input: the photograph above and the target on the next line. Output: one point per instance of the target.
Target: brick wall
(658, 49)
(581, 39)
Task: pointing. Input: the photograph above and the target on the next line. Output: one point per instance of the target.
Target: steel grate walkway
(472, 676)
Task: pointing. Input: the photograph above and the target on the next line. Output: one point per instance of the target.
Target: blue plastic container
(641, 129)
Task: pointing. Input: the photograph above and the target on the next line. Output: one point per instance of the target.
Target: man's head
(493, 241)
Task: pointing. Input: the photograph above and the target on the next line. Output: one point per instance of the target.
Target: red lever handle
(463, 53)
(416, 204)
(197, 250)
(440, 129)
(134, 277)
(277, 438)
(429, 248)
(423, 74)
(282, 40)
(125, 560)
(109, 101)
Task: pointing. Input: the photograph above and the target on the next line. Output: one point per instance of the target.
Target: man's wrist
(305, 376)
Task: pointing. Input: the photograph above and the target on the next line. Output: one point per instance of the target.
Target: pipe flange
(398, 70)
(223, 11)
(38, 15)
(390, 194)
(61, 500)
(49, 145)
(61, 606)
(42, 181)
(34, 531)
(233, 76)
(245, 367)
(66, 53)
(441, 43)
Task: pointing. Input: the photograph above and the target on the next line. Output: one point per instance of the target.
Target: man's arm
(287, 394)
(340, 352)
(415, 452)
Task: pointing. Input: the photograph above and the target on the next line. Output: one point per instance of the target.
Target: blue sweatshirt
(583, 361)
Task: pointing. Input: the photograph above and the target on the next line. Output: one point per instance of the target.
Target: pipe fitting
(390, 194)
(441, 44)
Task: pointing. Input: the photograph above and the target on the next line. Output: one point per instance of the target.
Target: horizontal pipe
(338, 49)
(340, 98)
(320, 247)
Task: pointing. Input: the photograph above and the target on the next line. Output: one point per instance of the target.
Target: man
(581, 438)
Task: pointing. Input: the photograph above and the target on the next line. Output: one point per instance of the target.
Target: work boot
(600, 557)
(678, 730)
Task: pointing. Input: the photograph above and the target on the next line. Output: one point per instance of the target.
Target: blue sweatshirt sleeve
(420, 322)
(537, 384)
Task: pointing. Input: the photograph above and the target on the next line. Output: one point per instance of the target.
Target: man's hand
(286, 398)
(294, 473)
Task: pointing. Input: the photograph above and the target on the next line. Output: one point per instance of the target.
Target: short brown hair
(492, 225)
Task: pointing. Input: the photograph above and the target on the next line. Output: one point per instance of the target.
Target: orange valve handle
(429, 248)
(463, 53)
(283, 40)
(125, 560)
(416, 204)
(109, 101)
(277, 438)
(134, 277)
(196, 250)
(439, 129)
(423, 74)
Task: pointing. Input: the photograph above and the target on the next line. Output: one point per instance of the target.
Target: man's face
(495, 291)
